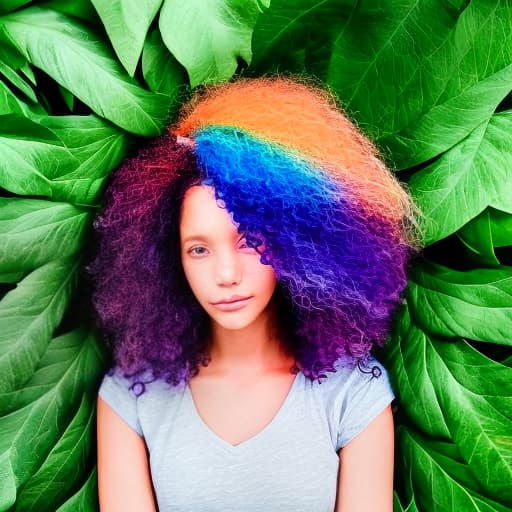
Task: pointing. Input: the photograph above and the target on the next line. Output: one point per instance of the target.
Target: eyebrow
(205, 237)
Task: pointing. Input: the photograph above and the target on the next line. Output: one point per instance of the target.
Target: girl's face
(225, 275)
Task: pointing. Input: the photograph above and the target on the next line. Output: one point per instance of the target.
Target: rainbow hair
(296, 174)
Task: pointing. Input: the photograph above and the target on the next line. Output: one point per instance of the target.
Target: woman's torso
(291, 463)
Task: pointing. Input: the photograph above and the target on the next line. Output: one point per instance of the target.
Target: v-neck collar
(260, 435)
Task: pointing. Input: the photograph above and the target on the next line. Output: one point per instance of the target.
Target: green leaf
(298, 36)
(162, 72)
(64, 465)
(63, 158)
(424, 412)
(476, 393)
(75, 58)
(17, 81)
(500, 224)
(421, 90)
(462, 402)
(207, 38)
(397, 506)
(28, 316)
(62, 388)
(476, 304)
(34, 232)
(11, 5)
(11, 104)
(8, 490)
(81, 9)
(86, 499)
(458, 186)
(96, 145)
(26, 70)
(417, 76)
(477, 237)
(13, 58)
(127, 23)
(435, 489)
(11, 277)
(67, 97)
(492, 228)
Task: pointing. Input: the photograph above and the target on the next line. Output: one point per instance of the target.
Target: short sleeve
(115, 391)
(367, 394)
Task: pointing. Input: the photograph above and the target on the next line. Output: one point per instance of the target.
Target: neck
(255, 349)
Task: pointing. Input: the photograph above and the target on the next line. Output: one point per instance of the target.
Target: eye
(198, 250)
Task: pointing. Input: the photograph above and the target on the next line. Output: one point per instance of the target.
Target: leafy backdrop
(430, 81)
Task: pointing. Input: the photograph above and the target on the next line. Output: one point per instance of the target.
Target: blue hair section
(339, 268)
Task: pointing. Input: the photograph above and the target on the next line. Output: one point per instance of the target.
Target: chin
(234, 324)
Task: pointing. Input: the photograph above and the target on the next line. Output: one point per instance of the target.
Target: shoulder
(134, 398)
(136, 386)
(353, 395)
(349, 377)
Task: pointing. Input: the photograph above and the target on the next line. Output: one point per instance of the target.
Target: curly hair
(294, 172)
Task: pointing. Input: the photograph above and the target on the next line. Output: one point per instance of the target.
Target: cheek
(266, 279)
(194, 278)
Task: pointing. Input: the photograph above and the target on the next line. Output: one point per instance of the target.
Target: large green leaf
(459, 185)
(207, 38)
(34, 232)
(61, 388)
(419, 76)
(476, 304)
(432, 86)
(63, 158)
(127, 22)
(75, 58)
(462, 401)
(28, 316)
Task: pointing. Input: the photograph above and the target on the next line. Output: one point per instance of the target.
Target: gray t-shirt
(292, 464)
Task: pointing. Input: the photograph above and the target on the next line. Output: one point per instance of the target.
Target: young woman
(248, 261)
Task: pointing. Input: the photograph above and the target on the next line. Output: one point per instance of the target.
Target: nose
(228, 270)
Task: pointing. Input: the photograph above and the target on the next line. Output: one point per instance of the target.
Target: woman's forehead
(201, 216)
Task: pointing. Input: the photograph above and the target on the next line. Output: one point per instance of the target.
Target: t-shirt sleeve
(366, 395)
(115, 391)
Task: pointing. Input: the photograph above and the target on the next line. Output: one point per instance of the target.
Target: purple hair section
(141, 300)
(343, 272)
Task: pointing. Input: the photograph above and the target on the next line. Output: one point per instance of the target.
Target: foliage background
(430, 81)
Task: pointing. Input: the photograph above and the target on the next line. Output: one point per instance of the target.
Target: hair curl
(295, 173)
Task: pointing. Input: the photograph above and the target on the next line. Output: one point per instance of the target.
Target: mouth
(232, 304)
(231, 300)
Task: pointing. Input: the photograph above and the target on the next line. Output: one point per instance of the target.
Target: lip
(232, 304)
